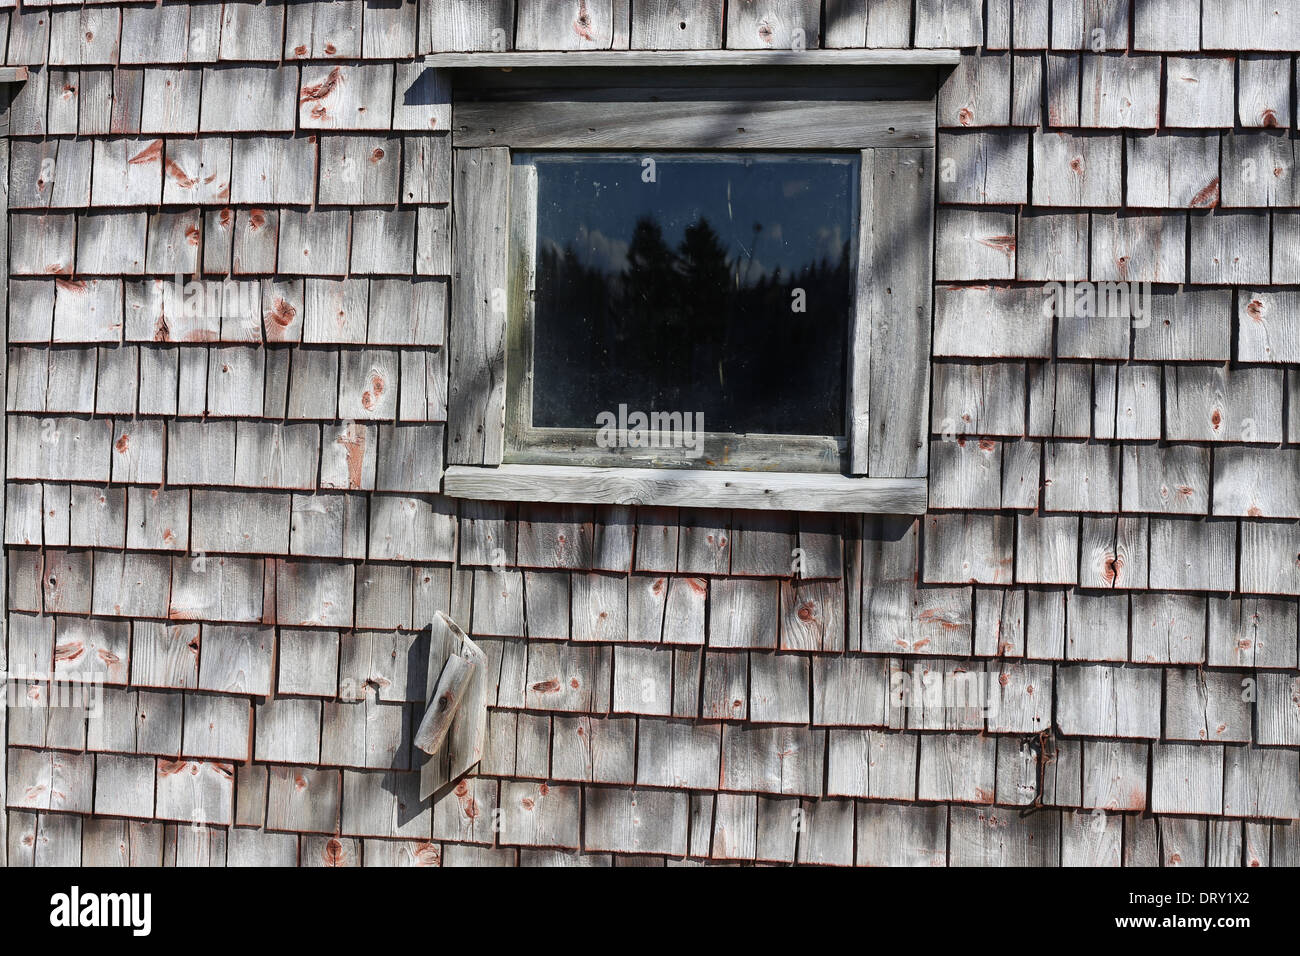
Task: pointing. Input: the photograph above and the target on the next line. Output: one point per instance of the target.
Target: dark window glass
(717, 284)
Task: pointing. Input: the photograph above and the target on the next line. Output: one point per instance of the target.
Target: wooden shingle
(273, 169)
(1187, 778)
(1229, 247)
(1102, 700)
(1167, 25)
(983, 398)
(1139, 247)
(991, 322)
(323, 30)
(1166, 478)
(360, 169)
(1263, 90)
(1199, 91)
(1246, 632)
(346, 97)
(1217, 404)
(1121, 91)
(1089, 24)
(1077, 169)
(249, 98)
(983, 167)
(1172, 170)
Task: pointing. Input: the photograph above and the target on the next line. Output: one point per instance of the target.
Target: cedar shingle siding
(232, 518)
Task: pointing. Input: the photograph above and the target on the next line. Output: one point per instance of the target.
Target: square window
(688, 309)
(691, 281)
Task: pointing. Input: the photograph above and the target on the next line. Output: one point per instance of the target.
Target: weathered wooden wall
(236, 524)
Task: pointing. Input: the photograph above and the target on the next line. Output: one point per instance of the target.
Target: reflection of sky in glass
(734, 193)
(676, 294)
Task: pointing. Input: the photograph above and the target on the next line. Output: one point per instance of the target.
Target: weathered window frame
(527, 444)
(880, 105)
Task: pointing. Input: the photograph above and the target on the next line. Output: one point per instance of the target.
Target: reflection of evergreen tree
(705, 277)
(648, 315)
(691, 329)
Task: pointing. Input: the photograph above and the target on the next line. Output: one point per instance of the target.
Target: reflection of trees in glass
(691, 329)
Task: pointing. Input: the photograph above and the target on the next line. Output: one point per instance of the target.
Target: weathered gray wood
(811, 492)
(1256, 783)
(1047, 549)
(303, 799)
(991, 322)
(1172, 170)
(383, 241)
(902, 835)
(1268, 552)
(1210, 403)
(1166, 478)
(644, 119)
(274, 169)
(1257, 482)
(1263, 91)
(1198, 91)
(878, 23)
(983, 167)
(940, 24)
(1205, 706)
(643, 680)
(477, 327)
(1267, 327)
(451, 25)
(1229, 247)
(1168, 628)
(877, 764)
(636, 821)
(670, 24)
(452, 685)
(566, 25)
(779, 686)
(249, 98)
(1139, 247)
(321, 30)
(347, 96)
(975, 244)
(961, 548)
(1122, 91)
(1246, 632)
(1076, 170)
(896, 187)
(762, 543)
(978, 398)
(899, 615)
(1167, 25)
(1187, 778)
(193, 792)
(308, 662)
(773, 24)
(965, 474)
(588, 749)
(957, 767)
(1101, 700)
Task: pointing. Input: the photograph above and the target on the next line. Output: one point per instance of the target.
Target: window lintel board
(721, 106)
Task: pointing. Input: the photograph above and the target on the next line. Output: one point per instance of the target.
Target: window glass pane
(718, 284)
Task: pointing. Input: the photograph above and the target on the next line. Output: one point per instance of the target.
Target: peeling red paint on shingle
(150, 154)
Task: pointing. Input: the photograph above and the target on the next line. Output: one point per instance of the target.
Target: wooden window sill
(772, 491)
